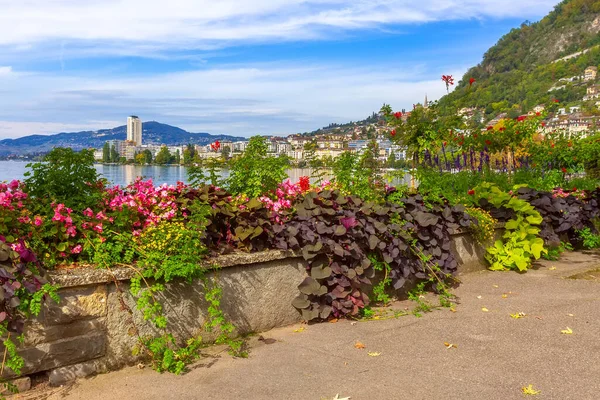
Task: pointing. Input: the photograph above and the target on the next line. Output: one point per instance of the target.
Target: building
(592, 92)
(590, 74)
(134, 130)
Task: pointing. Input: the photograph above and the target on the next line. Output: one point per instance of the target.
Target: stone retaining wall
(96, 325)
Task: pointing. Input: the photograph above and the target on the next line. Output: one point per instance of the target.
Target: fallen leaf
(478, 297)
(570, 315)
(518, 315)
(337, 397)
(359, 345)
(504, 296)
(301, 329)
(495, 286)
(538, 317)
(141, 366)
(552, 268)
(484, 309)
(376, 317)
(453, 309)
(530, 390)
(333, 320)
(374, 354)
(450, 345)
(567, 331)
(353, 323)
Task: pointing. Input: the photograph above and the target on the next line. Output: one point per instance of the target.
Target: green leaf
(535, 220)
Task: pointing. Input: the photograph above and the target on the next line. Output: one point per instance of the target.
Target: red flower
(398, 115)
(502, 129)
(552, 145)
(555, 101)
(304, 183)
(564, 170)
(215, 146)
(522, 118)
(471, 81)
(471, 192)
(569, 144)
(517, 132)
(490, 128)
(448, 79)
(475, 136)
(488, 142)
(538, 113)
(543, 124)
(393, 133)
(574, 189)
(445, 143)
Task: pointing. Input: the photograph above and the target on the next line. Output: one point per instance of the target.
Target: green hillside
(516, 73)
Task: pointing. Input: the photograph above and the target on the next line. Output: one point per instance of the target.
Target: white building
(134, 130)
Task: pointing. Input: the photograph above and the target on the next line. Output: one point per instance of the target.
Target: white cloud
(5, 71)
(123, 25)
(267, 98)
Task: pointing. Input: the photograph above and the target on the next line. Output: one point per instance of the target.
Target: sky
(239, 67)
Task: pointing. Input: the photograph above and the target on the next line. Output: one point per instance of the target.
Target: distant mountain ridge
(153, 133)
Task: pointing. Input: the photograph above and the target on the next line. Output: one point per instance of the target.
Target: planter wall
(96, 325)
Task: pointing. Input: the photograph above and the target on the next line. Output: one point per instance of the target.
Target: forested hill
(517, 73)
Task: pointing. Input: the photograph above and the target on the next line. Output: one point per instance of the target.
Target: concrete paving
(495, 356)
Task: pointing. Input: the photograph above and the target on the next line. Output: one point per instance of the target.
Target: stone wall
(96, 325)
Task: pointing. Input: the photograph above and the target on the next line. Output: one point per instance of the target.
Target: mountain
(535, 63)
(153, 133)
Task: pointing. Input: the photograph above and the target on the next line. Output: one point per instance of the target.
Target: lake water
(125, 174)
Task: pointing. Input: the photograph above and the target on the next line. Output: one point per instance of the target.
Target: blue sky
(237, 67)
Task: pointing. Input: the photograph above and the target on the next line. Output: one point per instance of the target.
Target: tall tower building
(134, 130)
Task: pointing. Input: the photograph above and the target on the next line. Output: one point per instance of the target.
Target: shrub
(66, 177)
(255, 172)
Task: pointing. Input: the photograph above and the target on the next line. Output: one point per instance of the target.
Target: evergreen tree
(106, 153)
(114, 155)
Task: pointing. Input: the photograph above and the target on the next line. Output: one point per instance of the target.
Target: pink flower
(77, 249)
(37, 221)
(88, 212)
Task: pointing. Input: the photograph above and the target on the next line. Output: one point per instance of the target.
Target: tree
(188, 154)
(140, 158)
(106, 153)
(163, 156)
(114, 154)
(147, 156)
(226, 153)
(177, 157)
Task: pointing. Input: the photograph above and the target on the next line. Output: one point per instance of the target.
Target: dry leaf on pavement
(484, 309)
(530, 390)
(374, 354)
(359, 345)
(299, 330)
(450, 345)
(567, 331)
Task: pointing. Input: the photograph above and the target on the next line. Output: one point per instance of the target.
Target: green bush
(255, 173)
(66, 177)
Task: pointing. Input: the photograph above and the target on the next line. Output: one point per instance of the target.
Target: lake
(125, 174)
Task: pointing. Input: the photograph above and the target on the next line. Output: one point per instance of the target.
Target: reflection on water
(125, 174)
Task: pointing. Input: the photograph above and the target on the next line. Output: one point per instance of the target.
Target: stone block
(76, 303)
(63, 375)
(23, 384)
(36, 332)
(47, 356)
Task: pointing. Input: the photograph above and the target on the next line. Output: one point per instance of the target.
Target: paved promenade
(491, 355)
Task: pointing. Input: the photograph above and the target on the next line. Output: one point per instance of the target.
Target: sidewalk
(495, 354)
